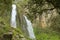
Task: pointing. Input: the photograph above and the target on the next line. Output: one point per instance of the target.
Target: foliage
(46, 34)
(56, 3)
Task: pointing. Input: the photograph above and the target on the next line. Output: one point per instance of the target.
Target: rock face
(41, 15)
(48, 13)
(7, 36)
(47, 17)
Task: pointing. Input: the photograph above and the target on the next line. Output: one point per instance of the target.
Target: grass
(46, 34)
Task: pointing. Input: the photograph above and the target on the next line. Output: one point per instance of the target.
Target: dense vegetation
(33, 9)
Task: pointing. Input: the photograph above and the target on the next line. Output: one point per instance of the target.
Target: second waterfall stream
(29, 28)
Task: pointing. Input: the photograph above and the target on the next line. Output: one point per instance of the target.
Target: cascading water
(29, 28)
(13, 16)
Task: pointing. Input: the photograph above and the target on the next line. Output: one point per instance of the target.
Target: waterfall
(13, 16)
(29, 28)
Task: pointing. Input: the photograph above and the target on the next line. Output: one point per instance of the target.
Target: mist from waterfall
(29, 28)
(13, 16)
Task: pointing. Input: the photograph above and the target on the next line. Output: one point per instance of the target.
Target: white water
(29, 28)
(13, 16)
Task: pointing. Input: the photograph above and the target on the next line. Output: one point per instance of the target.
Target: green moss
(15, 32)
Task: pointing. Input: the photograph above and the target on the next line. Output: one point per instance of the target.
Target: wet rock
(7, 36)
